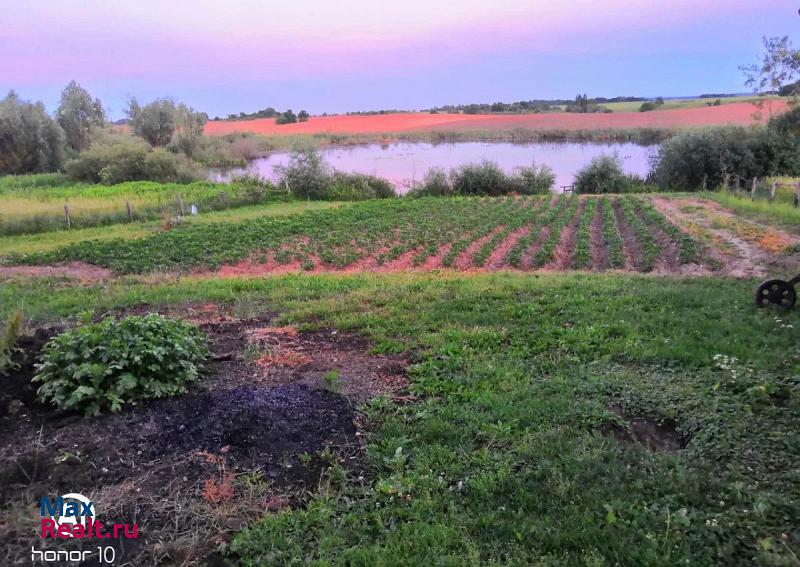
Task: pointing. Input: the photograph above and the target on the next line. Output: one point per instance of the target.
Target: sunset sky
(334, 56)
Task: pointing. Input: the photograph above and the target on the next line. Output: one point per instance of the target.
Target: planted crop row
(649, 246)
(511, 224)
(484, 225)
(686, 244)
(546, 252)
(611, 236)
(545, 217)
(582, 257)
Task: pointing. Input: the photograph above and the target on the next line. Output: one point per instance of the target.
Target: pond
(405, 164)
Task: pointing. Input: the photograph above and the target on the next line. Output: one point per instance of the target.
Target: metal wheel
(776, 292)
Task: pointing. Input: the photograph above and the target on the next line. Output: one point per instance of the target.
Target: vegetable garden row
(525, 233)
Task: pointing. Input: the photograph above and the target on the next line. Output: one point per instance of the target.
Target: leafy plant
(8, 338)
(105, 365)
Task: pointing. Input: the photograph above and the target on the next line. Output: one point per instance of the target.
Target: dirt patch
(247, 440)
(598, 244)
(630, 244)
(72, 270)
(656, 435)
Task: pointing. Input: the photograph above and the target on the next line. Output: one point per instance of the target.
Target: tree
(780, 63)
(155, 122)
(302, 116)
(30, 140)
(287, 117)
(79, 116)
(189, 126)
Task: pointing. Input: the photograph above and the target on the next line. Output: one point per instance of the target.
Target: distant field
(738, 113)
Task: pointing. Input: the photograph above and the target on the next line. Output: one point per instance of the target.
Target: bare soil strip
(528, 257)
(434, 261)
(630, 244)
(464, 260)
(746, 260)
(72, 270)
(499, 257)
(599, 249)
(565, 249)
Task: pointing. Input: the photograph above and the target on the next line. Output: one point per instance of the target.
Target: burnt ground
(275, 411)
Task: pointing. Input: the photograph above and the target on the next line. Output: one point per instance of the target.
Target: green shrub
(106, 365)
(8, 336)
(604, 175)
(306, 175)
(532, 180)
(648, 106)
(484, 178)
(358, 186)
(132, 161)
(686, 161)
(434, 184)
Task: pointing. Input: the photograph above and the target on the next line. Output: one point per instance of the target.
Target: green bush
(106, 365)
(604, 175)
(648, 106)
(358, 186)
(434, 184)
(532, 180)
(687, 160)
(306, 175)
(8, 336)
(132, 161)
(484, 178)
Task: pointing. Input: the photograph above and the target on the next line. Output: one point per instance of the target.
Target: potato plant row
(459, 233)
(612, 239)
(582, 258)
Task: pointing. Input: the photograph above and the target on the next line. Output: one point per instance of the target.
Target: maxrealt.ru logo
(74, 515)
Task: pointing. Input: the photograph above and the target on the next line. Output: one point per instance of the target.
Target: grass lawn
(518, 447)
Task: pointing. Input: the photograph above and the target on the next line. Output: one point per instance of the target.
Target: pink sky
(327, 55)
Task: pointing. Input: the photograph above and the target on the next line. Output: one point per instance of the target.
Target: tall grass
(27, 211)
(760, 209)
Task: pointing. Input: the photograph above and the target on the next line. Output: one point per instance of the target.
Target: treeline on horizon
(580, 104)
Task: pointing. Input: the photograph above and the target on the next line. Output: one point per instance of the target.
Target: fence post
(705, 182)
(725, 182)
(130, 210)
(736, 185)
(753, 189)
(67, 217)
(180, 204)
(772, 190)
